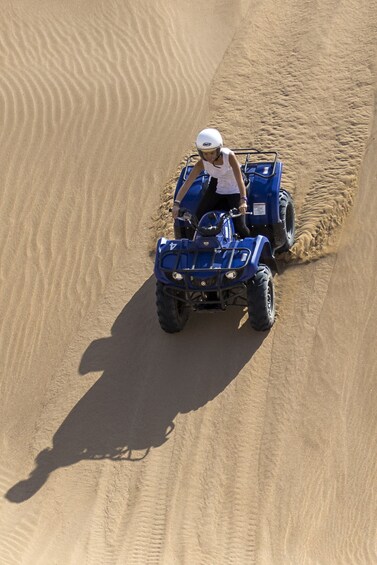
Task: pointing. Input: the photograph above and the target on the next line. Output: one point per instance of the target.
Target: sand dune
(121, 444)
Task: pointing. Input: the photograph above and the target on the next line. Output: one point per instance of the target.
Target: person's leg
(241, 228)
(209, 201)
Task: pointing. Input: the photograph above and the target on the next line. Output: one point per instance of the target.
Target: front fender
(263, 254)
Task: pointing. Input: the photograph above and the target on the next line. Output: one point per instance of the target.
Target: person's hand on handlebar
(243, 208)
(243, 205)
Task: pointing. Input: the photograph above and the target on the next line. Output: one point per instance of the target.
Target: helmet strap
(217, 156)
(202, 155)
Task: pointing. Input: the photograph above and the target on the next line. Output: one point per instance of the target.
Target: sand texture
(123, 445)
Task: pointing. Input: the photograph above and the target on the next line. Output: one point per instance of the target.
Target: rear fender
(264, 193)
(193, 196)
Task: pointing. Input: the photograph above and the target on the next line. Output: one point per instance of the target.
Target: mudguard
(192, 198)
(263, 196)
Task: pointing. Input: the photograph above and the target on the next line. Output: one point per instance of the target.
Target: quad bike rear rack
(248, 165)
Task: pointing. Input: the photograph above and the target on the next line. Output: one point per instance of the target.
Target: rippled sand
(124, 445)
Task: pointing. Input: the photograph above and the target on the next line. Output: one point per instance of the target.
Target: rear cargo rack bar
(248, 163)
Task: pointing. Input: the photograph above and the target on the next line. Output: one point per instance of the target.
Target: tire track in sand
(303, 86)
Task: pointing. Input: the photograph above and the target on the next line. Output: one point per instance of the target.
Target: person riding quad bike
(226, 189)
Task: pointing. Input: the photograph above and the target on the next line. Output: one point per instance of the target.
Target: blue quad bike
(208, 266)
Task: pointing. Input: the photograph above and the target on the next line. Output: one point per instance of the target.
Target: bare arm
(197, 168)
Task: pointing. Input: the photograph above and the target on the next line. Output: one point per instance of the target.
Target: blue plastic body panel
(263, 197)
(193, 196)
(263, 194)
(203, 262)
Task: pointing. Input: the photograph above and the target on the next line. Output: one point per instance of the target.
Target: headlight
(177, 276)
(231, 275)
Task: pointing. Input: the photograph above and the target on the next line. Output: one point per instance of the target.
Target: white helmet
(208, 140)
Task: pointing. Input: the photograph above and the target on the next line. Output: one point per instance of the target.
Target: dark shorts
(212, 200)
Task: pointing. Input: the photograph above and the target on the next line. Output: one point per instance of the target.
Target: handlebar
(191, 219)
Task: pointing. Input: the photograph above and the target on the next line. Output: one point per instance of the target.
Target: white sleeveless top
(226, 181)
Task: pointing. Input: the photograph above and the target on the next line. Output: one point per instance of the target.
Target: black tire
(287, 217)
(261, 299)
(172, 313)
